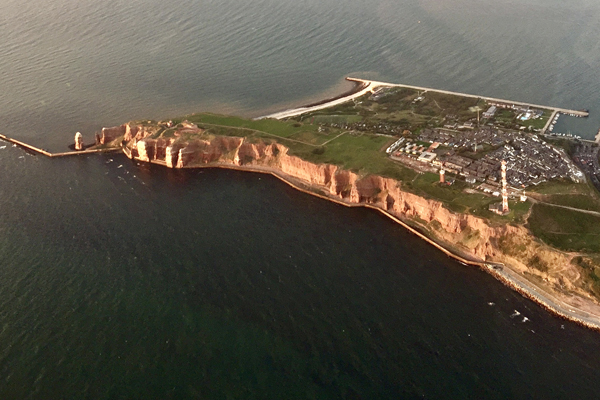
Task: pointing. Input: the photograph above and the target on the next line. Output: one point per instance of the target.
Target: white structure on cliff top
(504, 190)
(502, 208)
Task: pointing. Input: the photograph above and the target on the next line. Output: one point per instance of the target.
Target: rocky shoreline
(382, 194)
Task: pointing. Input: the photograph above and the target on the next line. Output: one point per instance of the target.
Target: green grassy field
(565, 229)
(538, 123)
(581, 201)
(563, 188)
(358, 153)
(333, 119)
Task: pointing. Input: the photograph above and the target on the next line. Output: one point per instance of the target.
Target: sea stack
(78, 141)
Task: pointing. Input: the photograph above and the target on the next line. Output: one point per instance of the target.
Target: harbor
(566, 111)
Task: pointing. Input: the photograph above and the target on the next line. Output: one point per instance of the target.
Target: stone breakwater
(468, 238)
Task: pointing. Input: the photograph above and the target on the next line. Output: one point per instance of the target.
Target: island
(484, 180)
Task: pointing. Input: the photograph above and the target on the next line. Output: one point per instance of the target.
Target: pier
(48, 154)
(566, 111)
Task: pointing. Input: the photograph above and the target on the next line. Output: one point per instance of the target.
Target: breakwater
(567, 111)
(48, 154)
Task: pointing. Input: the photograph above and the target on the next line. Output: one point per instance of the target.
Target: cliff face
(384, 193)
(469, 234)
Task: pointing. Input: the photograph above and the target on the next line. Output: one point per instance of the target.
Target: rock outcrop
(78, 141)
(109, 134)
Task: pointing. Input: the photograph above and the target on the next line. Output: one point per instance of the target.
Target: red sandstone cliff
(468, 234)
(384, 193)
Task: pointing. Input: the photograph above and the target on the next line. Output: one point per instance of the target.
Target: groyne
(52, 155)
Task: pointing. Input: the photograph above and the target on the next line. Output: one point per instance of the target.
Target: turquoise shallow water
(123, 281)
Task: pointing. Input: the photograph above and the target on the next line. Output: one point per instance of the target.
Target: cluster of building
(518, 108)
(382, 128)
(586, 158)
(467, 139)
(530, 161)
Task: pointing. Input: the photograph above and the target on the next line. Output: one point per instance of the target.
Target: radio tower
(504, 191)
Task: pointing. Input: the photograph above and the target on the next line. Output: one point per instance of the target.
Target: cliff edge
(548, 273)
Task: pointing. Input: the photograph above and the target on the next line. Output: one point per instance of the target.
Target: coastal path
(551, 301)
(595, 213)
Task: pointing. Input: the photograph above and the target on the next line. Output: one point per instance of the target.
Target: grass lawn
(333, 119)
(537, 123)
(283, 129)
(358, 153)
(557, 187)
(581, 201)
(565, 229)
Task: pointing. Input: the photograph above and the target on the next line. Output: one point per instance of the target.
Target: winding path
(596, 213)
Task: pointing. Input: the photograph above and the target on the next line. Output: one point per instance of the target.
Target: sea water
(120, 280)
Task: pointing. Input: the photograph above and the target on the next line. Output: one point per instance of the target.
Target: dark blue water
(123, 281)
(142, 282)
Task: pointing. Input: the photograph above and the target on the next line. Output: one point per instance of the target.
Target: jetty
(366, 86)
(572, 113)
(52, 155)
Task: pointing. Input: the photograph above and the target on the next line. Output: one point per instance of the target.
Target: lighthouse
(442, 176)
